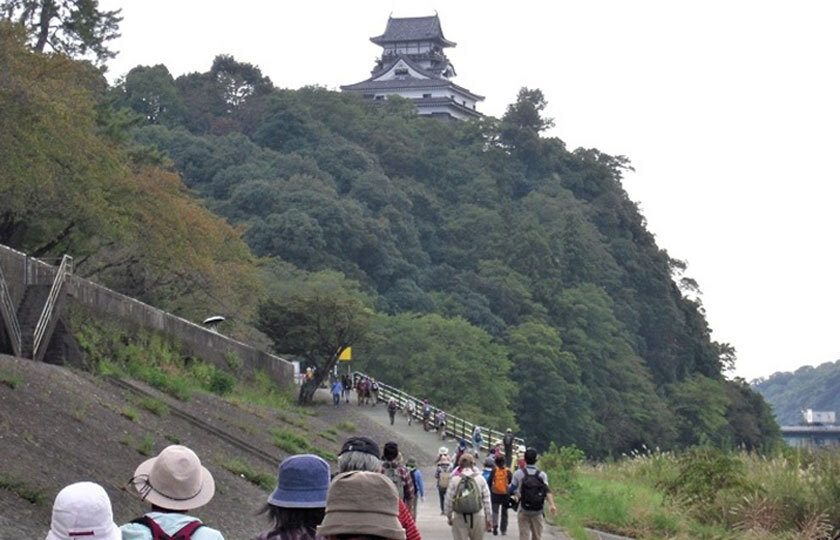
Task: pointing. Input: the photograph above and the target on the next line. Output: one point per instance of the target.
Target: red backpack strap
(149, 523)
(187, 531)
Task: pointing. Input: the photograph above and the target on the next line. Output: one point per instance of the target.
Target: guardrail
(9, 314)
(64, 269)
(456, 427)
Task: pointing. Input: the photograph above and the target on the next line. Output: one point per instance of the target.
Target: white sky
(729, 111)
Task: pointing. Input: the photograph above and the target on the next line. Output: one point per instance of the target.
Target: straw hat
(362, 503)
(174, 480)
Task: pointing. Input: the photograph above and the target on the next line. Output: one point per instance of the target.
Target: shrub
(154, 406)
(129, 413)
(290, 441)
(222, 383)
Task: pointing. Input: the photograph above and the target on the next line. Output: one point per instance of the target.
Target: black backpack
(158, 534)
(533, 492)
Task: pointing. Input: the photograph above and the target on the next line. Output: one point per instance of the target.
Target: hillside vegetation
(808, 387)
(498, 273)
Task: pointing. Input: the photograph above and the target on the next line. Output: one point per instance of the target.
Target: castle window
(401, 71)
(427, 95)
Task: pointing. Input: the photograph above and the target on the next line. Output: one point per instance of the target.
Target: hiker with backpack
(443, 473)
(83, 510)
(440, 422)
(500, 480)
(296, 507)
(397, 472)
(336, 391)
(530, 487)
(362, 454)
(427, 414)
(374, 391)
(174, 483)
(392, 409)
(417, 481)
(467, 502)
(346, 384)
(409, 410)
(477, 440)
(507, 442)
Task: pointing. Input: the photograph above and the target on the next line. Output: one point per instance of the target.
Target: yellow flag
(346, 355)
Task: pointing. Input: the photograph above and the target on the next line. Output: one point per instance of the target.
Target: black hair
(531, 456)
(283, 518)
(500, 460)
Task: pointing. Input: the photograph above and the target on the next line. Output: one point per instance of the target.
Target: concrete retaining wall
(100, 301)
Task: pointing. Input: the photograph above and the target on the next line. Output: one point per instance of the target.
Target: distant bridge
(811, 436)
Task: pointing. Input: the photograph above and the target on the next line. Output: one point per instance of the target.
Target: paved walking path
(432, 525)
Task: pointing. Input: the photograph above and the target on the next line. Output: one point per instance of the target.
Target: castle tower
(414, 65)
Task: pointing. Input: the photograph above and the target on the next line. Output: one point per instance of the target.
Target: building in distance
(414, 65)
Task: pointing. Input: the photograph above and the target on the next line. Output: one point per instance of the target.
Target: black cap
(360, 444)
(391, 451)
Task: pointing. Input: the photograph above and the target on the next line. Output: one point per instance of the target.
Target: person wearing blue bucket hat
(296, 507)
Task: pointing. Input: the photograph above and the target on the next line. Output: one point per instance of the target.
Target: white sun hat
(83, 510)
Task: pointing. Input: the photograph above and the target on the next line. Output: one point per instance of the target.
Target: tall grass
(701, 493)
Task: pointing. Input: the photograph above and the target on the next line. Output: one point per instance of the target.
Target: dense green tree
(77, 28)
(552, 404)
(488, 222)
(454, 364)
(151, 92)
(315, 317)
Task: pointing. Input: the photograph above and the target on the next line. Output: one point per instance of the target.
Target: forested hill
(499, 254)
(808, 387)
(495, 271)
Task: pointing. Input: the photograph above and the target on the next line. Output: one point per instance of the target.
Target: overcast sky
(728, 110)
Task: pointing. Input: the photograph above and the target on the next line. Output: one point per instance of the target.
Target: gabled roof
(411, 63)
(395, 85)
(413, 29)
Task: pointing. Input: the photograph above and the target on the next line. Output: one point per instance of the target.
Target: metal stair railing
(64, 269)
(9, 314)
(456, 427)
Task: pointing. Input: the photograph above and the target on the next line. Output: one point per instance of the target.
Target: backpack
(533, 492)
(499, 486)
(467, 497)
(392, 405)
(427, 410)
(443, 477)
(394, 475)
(157, 533)
(374, 387)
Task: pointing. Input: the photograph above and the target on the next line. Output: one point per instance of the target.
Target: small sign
(346, 355)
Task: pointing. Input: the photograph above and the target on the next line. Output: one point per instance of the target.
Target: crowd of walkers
(371, 496)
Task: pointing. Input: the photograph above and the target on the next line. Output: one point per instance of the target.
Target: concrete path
(432, 524)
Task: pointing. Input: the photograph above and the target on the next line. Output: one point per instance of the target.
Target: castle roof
(413, 29)
(409, 84)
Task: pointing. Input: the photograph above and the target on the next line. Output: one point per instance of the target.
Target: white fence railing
(64, 269)
(458, 428)
(9, 314)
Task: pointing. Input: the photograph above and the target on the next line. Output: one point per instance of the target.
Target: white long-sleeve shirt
(453, 486)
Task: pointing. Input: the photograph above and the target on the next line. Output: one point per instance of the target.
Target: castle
(413, 65)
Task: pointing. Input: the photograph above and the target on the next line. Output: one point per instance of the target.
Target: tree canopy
(480, 263)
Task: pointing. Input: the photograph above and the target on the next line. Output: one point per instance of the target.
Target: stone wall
(100, 301)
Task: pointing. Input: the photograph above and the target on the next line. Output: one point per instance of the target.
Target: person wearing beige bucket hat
(174, 483)
(362, 505)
